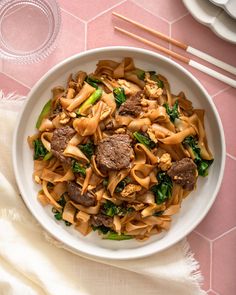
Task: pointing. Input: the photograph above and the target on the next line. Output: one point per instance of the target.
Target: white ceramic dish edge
(228, 5)
(135, 253)
(213, 17)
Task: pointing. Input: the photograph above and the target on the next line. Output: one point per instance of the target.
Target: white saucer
(214, 17)
(228, 5)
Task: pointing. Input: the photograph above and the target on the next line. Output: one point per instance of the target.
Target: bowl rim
(138, 254)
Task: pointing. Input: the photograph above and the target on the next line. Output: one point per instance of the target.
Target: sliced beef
(74, 192)
(61, 137)
(100, 219)
(183, 172)
(132, 106)
(114, 152)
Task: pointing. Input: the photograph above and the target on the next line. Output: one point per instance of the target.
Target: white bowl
(194, 208)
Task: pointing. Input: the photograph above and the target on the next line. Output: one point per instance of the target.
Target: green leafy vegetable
(111, 209)
(93, 81)
(155, 78)
(121, 185)
(87, 149)
(45, 111)
(39, 150)
(67, 223)
(102, 229)
(62, 201)
(96, 95)
(108, 234)
(193, 144)
(163, 189)
(58, 216)
(140, 74)
(159, 213)
(152, 73)
(202, 165)
(116, 237)
(119, 94)
(144, 139)
(172, 112)
(78, 168)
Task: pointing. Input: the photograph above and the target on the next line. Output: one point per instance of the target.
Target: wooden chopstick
(219, 63)
(153, 32)
(184, 59)
(152, 44)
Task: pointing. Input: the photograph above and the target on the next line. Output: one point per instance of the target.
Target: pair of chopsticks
(187, 48)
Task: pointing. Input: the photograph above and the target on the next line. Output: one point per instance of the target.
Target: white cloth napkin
(31, 263)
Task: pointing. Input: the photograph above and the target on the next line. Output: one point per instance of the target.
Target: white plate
(228, 5)
(214, 17)
(194, 207)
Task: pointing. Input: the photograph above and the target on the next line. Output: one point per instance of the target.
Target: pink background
(89, 24)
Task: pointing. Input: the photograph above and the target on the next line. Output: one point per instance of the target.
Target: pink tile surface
(8, 85)
(98, 27)
(89, 24)
(226, 114)
(185, 29)
(201, 249)
(222, 216)
(165, 8)
(224, 259)
(87, 9)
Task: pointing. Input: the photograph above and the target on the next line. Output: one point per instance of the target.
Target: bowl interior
(194, 208)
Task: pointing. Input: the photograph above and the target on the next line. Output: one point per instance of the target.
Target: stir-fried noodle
(117, 152)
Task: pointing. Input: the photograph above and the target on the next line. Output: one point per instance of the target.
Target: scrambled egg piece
(152, 135)
(130, 189)
(151, 88)
(165, 162)
(64, 118)
(120, 131)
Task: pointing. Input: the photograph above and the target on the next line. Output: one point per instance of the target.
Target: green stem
(45, 111)
(96, 95)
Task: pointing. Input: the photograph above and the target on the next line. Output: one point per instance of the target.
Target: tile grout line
(231, 156)
(149, 11)
(224, 234)
(215, 293)
(105, 11)
(179, 18)
(211, 262)
(85, 36)
(204, 237)
(220, 91)
(9, 76)
(170, 33)
(71, 14)
(83, 21)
